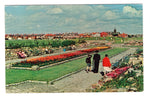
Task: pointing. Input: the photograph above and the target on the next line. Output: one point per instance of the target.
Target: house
(123, 35)
(104, 34)
(49, 36)
(70, 35)
(95, 34)
(84, 35)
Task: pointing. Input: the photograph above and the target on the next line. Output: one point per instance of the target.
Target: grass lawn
(51, 73)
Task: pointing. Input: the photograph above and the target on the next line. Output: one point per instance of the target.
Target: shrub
(68, 42)
(123, 64)
(82, 41)
(56, 43)
(139, 51)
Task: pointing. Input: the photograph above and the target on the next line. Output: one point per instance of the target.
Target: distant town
(69, 35)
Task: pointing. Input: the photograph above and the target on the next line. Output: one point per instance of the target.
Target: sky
(127, 18)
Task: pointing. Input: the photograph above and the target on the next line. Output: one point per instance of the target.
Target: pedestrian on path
(88, 62)
(106, 64)
(96, 59)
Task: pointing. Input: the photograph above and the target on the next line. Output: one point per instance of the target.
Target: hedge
(13, 44)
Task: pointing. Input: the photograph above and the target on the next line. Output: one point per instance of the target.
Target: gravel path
(78, 82)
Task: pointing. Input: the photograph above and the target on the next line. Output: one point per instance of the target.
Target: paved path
(78, 82)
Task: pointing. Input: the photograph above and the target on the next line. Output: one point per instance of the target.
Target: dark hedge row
(13, 44)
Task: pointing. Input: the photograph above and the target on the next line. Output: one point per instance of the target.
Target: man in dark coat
(96, 59)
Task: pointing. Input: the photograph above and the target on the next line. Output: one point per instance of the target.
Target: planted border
(122, 79)
(48, 60)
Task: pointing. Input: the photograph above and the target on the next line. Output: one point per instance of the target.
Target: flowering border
(42, 61)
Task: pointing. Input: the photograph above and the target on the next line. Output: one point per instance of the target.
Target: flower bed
(42, 61)
(122, 79)
(129, 81)
(118, 71)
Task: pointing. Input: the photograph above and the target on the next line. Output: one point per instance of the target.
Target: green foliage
(13, 44)
(139, 84)
(68, 42)
(123, 64)
(56, 43)
(80, 40)
(36, 52)
(115, 39)
(68, 48)
(120, 83)
(123, 82)
(93, 38)
(139, 51)
(126, 59)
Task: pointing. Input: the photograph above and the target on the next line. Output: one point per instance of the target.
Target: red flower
(117, 72)
(61, 56)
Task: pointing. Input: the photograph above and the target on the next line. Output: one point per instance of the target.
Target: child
(106, 64)
(88, 62)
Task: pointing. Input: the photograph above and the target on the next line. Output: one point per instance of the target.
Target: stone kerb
(45, 82)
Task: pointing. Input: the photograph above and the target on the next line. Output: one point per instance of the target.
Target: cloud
(37, 7)
(76, 10)
(37, 16)
(83, 16)
(30, 27)
(80, 8)
(9, 16)
(132, 12)
(100, 6)
(109, 15)
(38, 25)
(55, 11)
(70, 18)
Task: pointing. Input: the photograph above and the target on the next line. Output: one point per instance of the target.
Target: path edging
(45, 82)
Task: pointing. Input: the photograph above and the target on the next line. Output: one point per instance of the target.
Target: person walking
(106, 64)
(88, 62)
(96, 59)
